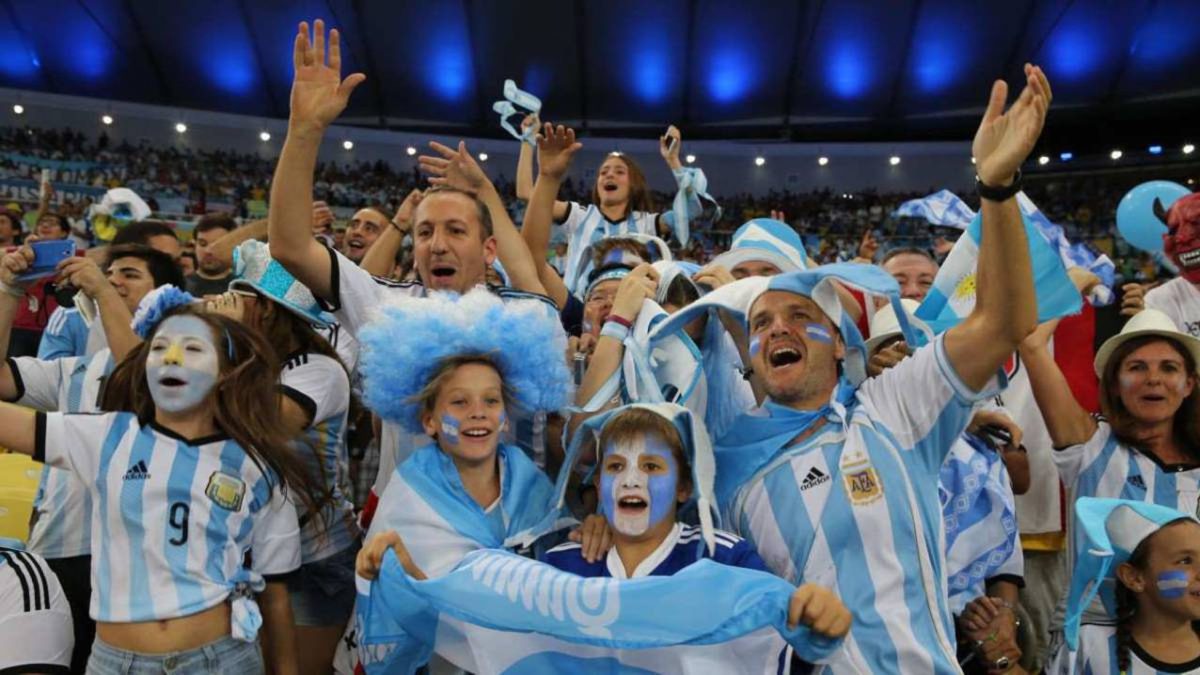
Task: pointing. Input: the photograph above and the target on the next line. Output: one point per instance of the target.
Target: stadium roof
(814, 71)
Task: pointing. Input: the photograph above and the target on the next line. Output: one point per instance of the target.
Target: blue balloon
(1136, 214)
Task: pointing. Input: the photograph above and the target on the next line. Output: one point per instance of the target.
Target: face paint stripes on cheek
(450, 429)
(1172, 584)
(818, 332)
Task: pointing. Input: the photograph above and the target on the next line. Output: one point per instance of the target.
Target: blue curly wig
(155, 306)
(405, 344)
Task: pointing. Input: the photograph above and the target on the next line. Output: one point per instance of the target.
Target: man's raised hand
(1005, 139)
(455, 168)
(319, 94)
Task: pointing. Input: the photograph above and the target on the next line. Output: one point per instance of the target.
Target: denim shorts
(322, 592)
(226, 655)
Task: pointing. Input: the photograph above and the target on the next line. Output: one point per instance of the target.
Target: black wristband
(998, 194)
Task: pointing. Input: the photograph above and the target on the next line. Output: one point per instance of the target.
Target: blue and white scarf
(501, 613)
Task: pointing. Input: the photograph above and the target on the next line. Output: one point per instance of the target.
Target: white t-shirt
(1180, 300)
(35, 619)
(320, 386)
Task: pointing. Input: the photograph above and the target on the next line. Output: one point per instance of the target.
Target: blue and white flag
(501, 613)
(940, 208)
(952, 296)
(426, 503)
(946, 209)
(979, 512)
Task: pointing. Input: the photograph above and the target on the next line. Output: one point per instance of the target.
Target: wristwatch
(998, 194)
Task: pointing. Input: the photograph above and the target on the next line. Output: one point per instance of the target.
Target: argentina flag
(940, 208)
(499, 613)
(946, 209)
(952, 296)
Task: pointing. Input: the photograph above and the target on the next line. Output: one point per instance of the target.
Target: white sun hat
(1146, 322)
(885, 326)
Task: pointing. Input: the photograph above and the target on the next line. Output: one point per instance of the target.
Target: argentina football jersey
(62, 524)
(173, 520)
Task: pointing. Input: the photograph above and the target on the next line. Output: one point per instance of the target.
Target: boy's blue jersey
(682, 547)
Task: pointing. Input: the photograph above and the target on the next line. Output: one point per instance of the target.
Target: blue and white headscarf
(1113, 529)
(697, 448)
(766, 240)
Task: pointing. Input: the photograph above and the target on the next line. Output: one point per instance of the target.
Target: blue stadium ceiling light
(1066, 156)
(1155, 149)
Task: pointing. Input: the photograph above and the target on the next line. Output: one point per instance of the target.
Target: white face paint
(638, 485)
(182, 365)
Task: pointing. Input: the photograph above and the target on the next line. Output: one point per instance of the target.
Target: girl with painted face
(1146, 558)
(656, 462)
(1146, 447)
(315, 400)
(463, 365)
(193, 491)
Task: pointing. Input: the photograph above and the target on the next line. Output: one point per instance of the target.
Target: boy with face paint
(644, 478)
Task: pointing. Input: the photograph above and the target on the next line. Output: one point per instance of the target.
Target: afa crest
(861, 481)
(225, 490)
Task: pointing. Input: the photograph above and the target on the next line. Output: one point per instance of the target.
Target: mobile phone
(671, 142)
(46, 256)
(998, 435)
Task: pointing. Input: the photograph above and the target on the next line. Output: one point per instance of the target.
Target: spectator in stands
(913, 268)
(213, 272)
(1180, 297)
(156, 234)
(187, 264)
(10, 228)
(66, 332)
(365, 227)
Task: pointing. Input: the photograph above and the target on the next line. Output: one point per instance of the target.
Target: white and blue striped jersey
(62, 523)
(1097, 655)
(855, 508)
(173, 521)
(357, 296)
(1104, 467)
(66, 334)
(585, 225)
(320, 386)
(36, 631)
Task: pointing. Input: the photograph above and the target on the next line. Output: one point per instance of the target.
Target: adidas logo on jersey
(814, 478)
(1137, 482)
(138, 471)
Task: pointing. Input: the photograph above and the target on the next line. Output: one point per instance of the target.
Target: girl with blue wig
(454, 367)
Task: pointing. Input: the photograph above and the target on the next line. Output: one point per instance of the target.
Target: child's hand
(819, 609)
(370, 558)
(594, 537)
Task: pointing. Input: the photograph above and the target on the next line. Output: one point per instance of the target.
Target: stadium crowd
(803, 434)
